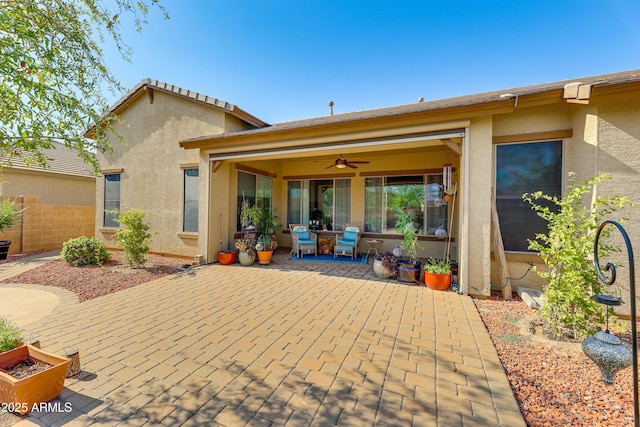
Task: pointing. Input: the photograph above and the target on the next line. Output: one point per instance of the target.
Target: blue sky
(284, 60)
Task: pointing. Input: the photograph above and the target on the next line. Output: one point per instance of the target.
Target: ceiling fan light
(341, 166)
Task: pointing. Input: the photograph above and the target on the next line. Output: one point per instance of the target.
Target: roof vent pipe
(331, 108)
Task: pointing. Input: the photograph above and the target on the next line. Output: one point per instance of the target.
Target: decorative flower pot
(408, 272)
(4, 248)
(264, 257)
(437, 282)
(380, 270)
(44, 386)
(226, 257)
(246, 258)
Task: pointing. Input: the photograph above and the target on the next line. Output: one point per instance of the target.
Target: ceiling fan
(342, 163)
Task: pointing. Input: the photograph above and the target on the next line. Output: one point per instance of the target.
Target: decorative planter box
(22, 394)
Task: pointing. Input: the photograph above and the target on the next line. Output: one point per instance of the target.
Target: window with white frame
(111, 199)
(323, 204)
(525, 168)
(386, 196)
(190, 208)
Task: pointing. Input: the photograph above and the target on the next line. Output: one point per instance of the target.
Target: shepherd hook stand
(607, 299)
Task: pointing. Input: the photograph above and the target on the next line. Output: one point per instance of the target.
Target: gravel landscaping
(553, 382)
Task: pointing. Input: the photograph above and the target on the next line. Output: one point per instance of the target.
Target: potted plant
(408, 268)
(268, 224)
(385, 265)
(246, 249)
(265, 248)
(30, 376)
(10, 215)
(437, 274)
(10, 335)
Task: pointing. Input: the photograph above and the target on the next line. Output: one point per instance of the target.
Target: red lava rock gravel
(555, 383)
(92, 281)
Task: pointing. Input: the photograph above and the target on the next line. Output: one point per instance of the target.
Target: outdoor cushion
(306, 242)
(350, 235)
(302, 235)
(347, 242)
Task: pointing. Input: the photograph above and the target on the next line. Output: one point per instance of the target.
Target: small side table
(374, 245)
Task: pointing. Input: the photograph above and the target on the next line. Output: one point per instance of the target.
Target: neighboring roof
(147, 84)
(418, 107)
(62, 161)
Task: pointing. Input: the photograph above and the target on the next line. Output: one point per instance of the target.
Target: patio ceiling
(450, 138)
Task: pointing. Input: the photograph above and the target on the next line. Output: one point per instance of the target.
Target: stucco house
(191, 159)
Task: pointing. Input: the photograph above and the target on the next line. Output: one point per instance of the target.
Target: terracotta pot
(226, 257)
(246, 258)
(35, 389)
(437, 282)
(380, 270)
(264, 257)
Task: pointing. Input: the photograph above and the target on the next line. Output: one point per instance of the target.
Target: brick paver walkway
(293, 343)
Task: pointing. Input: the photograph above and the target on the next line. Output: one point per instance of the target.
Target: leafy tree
(52, 70)
(566, 250)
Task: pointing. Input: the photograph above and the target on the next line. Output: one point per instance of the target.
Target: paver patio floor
(293, 343)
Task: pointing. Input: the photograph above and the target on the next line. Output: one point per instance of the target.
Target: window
(256, 189)
(190, 212)
(386, 196)
(321, 203)
(525, 168)
(111, 199)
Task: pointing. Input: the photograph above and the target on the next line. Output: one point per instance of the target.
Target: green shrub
(10, 334)
(135, 238)
(84, 251)
(567, 251)
(10, 214)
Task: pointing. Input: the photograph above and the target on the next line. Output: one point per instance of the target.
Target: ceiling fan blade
(359, 161)
(330, 166)
(349, 165)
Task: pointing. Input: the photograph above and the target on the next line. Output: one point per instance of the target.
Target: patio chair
(303, 240)
(347, 243)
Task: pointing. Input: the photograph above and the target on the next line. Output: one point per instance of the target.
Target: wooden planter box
(22, 394)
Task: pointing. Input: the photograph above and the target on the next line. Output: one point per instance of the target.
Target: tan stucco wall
(480, 152)
(53, 188)
(152, 178)
(606, 138)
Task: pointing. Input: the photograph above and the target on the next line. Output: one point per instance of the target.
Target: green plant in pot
(437, 274)
(10, 216)
(268, 225)
(408, 268)
(385, 265)
(10, 335)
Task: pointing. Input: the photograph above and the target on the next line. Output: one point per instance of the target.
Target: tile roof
(62, 161)
(189, 94)
(460, 101)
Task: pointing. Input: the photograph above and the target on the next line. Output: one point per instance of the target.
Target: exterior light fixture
(605, 349)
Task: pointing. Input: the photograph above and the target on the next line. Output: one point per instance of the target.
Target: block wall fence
(47, 227)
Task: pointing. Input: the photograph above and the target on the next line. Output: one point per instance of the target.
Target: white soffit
(362, 143)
